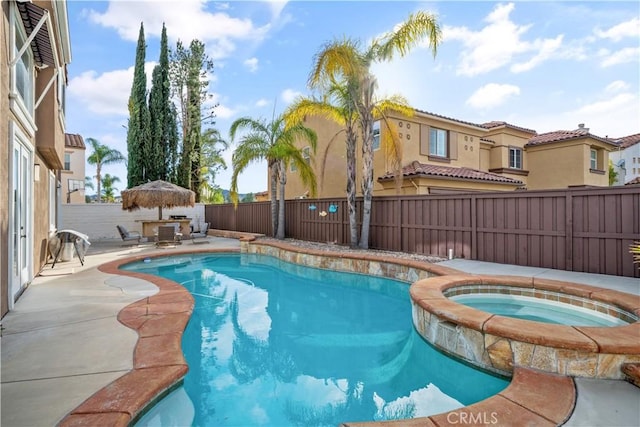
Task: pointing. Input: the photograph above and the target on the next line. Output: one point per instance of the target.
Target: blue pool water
(272, 343)
(536, 309)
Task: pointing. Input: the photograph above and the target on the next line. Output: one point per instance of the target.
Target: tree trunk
(283, 182)
(367, 193)
(366, 121)
(274, 199)
(351, 187)
(99, 182)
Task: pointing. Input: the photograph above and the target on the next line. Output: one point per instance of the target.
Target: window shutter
(424, 140)
(453, 145)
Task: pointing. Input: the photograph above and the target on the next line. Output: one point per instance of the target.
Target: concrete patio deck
(63, 342)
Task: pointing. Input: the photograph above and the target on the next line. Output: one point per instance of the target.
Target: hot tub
(498, 323)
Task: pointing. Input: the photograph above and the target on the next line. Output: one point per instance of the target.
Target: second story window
(515, 158)
(376, 135)
(438, 143)
(306, 155)
(24, 76)
(593, 161)
(67, 161)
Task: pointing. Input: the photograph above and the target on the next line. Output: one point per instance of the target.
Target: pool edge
(113, 405)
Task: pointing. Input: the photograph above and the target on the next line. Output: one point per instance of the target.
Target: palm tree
(108, 190)
(345, 60)
(102, 155)
(336, 105)
(276, 143)
(212, 162)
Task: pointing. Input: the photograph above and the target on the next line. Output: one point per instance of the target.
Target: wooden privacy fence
(588, 230)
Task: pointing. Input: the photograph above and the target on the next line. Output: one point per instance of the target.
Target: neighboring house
(262, 196)
(72, 175)
(626, 158)
(443, 155)
(34, 54)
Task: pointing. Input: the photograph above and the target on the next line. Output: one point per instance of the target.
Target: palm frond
(418, 27)
(305, 107)
(247, 123)
(394, 103)
(335, 59)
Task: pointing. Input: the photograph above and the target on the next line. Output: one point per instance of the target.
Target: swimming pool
(537, 309)
(272, 343)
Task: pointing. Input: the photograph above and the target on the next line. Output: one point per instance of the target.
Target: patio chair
(167, 236)
(128, 236)
(202, 234)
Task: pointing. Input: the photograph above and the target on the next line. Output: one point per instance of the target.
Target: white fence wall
(99, 220)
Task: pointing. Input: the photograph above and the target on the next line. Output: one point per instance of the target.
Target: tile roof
(495, 124)
(634, 181)
(564, 135)
(420, 169)
(627, 141)
(449, 118)
(73, 140)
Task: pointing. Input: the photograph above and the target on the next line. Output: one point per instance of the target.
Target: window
(67, 161)
(594, 159)
(515, 158)
(376, 135)
(438, 142)
(24, 67)
(306, 154)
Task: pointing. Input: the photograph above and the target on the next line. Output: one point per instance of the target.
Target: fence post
(568, 248)
(474, 227)
(399, 225)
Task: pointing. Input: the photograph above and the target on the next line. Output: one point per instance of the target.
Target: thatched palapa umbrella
(157, 194)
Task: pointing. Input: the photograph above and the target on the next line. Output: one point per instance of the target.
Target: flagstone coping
(159, 364)
(500, 343)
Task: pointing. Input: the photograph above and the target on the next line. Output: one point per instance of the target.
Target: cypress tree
(138, 134)
(155, 156)
(164, 139)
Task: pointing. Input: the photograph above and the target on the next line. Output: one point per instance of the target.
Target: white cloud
(628, 54)
(288, 95)
(224, 112)
(492, 95)
(604, 113)
(107, 93)
(251, 64)
(546, 49)
(607, 105)
(276, 6)
(617, 86)
(498, 43)
(218, 30)
(262, 103)
(625, 29)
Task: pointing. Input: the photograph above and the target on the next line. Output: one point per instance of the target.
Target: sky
(540, 65)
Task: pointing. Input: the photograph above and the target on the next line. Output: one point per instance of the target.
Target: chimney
(581, 128)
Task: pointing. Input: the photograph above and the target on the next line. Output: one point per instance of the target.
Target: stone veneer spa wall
(500, 343)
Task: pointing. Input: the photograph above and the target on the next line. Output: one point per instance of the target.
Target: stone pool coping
(158, 363)
(499, 343)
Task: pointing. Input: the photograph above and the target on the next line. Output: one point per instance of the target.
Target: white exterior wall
(99, 220)
(632, 168)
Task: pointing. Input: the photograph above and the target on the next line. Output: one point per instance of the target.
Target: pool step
(631, 373)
